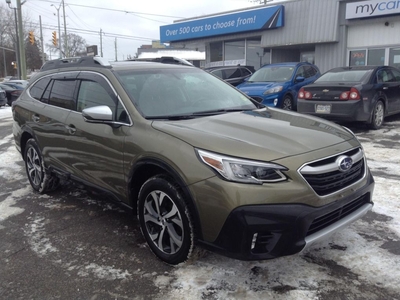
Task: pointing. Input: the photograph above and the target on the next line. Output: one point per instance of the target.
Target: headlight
(274, 90)
(240, 170)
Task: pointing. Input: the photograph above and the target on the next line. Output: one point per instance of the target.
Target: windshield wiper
(172, 117)
(219, 111)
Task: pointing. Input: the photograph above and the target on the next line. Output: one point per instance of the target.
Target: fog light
(275, 101)
(253, 241)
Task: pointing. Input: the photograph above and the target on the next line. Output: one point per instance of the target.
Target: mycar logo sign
(373, 8)
(256, 19)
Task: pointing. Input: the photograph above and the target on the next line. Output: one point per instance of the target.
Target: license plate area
(323, 108)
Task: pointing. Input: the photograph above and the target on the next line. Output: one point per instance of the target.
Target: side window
(91, 94)
(245, 72)
(396, 74)
(300, 72)
(232, 73)
(218, 73)
(309, 71)
(62, 94)
(39, 87)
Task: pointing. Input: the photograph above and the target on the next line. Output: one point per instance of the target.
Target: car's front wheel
(287, 103)
(165, 221)
(40, 180)
(378, 115)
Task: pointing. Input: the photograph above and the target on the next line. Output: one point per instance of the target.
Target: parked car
(362, 93)
(197, 160)
(7, 78)
(3, 97)
(277, 85)
(234, 75)
(12, 92)
(23, 83)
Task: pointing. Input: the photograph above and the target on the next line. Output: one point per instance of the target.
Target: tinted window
(91, 94)
(218, 73)
(38, 88)
(344, 76)
(62, 94)
(309, 71)
(396, 74)
(245, 72)
(232, 73)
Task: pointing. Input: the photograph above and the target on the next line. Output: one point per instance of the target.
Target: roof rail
(165, 60)
(86, 61)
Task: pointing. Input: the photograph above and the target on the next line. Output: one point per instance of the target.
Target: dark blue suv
(277, 85)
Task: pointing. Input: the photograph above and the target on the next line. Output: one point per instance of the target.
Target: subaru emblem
(344, 163)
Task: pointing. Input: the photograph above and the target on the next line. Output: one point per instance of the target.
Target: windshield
(344, 76)
(174, 92)
(272, 74)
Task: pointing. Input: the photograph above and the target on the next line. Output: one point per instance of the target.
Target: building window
(376, 57)
(216, 51)
(234, 52)
(256, 55)
(358, 58)
(394, 57)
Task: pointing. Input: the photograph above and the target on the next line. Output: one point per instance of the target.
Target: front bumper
(259, 232)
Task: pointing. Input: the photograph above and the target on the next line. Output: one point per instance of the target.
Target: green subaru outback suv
(196, 159)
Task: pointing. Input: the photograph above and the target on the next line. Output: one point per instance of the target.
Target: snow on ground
(359, 260)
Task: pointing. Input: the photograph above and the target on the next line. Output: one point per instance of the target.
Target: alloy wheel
(163, 222)
(34, 167)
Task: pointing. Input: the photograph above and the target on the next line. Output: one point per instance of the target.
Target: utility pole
(101, 42)
(17, 55)
(22, 58)
(65, 32)
(116, 56)
(41, 39)
(59, 29)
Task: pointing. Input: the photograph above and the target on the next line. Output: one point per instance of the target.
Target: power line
(111, 9)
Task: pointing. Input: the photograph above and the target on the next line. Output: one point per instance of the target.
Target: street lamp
(59, 30)
(17, 39)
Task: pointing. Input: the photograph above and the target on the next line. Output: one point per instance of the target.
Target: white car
(23, 83)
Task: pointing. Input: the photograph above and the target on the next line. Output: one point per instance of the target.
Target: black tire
(287, 103)
(378, 114)
(41, 180)
(165, 221)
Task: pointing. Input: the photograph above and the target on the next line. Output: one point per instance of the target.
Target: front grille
(325, 177)
(321, 222)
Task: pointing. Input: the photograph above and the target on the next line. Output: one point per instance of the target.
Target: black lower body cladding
(262, 232)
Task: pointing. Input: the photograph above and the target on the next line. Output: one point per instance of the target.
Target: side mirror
(98, 114)
(300, 79)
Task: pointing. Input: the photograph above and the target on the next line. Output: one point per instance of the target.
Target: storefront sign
(264, 18)
(373, 8)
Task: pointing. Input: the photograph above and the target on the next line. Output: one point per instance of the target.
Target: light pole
(59, 30)
(17, 53)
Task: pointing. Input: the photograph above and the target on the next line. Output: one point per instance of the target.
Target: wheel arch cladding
(147, 168)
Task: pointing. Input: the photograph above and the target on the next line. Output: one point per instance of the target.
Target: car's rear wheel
(165, 221)
(378, 114)
(287, 103)
(40, 180)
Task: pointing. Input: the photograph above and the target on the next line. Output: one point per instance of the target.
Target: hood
(266, 134)
(258, 86)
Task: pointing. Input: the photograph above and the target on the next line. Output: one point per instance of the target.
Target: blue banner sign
(256, 19)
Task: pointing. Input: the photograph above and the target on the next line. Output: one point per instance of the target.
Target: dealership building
(328, 33)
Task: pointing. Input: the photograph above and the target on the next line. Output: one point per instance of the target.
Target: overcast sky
(140, 20)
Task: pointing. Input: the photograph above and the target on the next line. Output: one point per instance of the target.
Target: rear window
(344, 76)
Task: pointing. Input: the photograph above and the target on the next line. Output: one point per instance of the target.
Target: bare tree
(76, 45)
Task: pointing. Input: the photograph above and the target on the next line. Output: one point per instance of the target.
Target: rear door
(96, 151)
(390, 87)
(56, 98)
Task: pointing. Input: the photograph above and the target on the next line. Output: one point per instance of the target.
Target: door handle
(35, 118)
(71, 129)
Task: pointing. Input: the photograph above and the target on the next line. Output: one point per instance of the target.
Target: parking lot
(73, 244)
